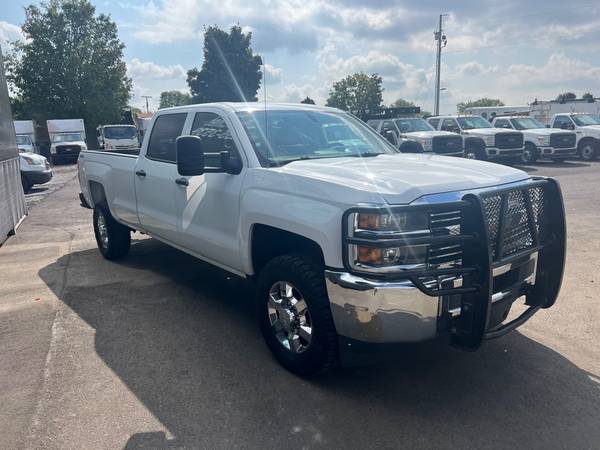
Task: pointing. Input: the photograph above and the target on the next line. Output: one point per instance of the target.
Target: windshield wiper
(365, 154)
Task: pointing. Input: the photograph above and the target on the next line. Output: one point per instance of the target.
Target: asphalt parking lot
(161, 351)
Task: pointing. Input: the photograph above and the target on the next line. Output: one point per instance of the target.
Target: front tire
(113, 239)
(294, 315)
(473, 152)
(529, 155)
(26, 184)
(587, 151)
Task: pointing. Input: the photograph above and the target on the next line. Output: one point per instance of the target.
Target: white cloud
(149, 70)
(273, 74)
(9, 33)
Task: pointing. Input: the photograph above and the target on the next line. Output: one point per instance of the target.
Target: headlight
(370, 232)
(29, 160)
(543, 140)
(426, 144)
(53, 150)
(489, 140)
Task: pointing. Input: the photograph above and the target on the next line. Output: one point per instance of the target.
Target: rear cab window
(167, 128)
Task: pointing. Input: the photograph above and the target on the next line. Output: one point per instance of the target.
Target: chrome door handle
(140, 173)
(182, 181)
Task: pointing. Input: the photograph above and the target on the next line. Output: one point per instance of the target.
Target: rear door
(155, 176)
(207, 208)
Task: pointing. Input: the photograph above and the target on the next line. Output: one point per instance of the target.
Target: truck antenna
(265, 102)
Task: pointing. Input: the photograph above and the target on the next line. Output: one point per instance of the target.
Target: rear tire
(113, 239)
(301, 352)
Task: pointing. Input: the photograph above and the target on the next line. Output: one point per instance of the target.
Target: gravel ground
(161, 351)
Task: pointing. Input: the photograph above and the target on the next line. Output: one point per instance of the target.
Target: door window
(434, 123)
(167, 128)
(502, 123)
(450, 125)
(563, 122)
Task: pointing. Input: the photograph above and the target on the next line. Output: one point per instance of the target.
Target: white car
(35, 169)
(587, 129)
(350, 243)
(551, 143)
(482, 140)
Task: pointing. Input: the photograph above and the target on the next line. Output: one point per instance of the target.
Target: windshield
(293, 135)
(469, 123)
(67, 137)
(586, 119)
(412, 125)
(23, 139)
(526, 123)
(119, 132)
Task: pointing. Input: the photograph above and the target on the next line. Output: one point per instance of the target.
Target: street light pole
(439, 38)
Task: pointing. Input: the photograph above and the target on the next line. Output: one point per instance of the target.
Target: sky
(516, 51)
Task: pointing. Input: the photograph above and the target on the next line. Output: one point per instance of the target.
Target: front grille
(513, 220)
(509, 140)
(68, 149)
(448, 254)
(447, 144)
(562, 140)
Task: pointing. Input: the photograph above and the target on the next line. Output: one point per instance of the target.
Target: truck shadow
(181, 336)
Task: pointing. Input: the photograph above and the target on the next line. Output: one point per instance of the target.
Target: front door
(208, 207)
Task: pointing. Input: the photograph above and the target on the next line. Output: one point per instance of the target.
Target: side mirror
(192, 160)
(391, 137)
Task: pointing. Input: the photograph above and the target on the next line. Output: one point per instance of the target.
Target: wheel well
(269, 242)
(586, 140)
(97, 192)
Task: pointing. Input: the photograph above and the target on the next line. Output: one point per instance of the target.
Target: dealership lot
(62, 174)
(160, 350)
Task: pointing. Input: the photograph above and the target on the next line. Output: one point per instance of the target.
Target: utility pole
(146, 97)
(440, 39)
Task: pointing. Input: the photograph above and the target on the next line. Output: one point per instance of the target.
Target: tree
(484, 101)
(70, 65)
(174, 98)
(401, 103)
(308, 101)
(566, 96)
(230, 71)
(588, 96)
(357, 92)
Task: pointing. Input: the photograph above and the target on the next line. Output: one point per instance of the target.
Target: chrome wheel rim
(471, 155)
(527, 156)
(102, 230)
(289, 317)
(587, 152)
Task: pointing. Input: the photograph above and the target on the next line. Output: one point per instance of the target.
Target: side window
(563, 122)
(450, 125)
(167, 128)
(434, 123)
(502, 123)
(389, 125)
(373, 124)
(484, 115)
(215, 134)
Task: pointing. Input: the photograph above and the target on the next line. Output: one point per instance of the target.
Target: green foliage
(308, 101)
(588, 96)
(401, 103)
(566, 96)
(357, 92)
(70, 65)
(230, 72)
(174, 98)
(461, 107)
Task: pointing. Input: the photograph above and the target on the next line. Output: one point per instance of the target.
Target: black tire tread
(119, 235)
(301, 266)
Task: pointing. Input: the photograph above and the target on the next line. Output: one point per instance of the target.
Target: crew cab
(482, 140)
(587, 129)
(552, 143)
(350, 243)
(415, 135)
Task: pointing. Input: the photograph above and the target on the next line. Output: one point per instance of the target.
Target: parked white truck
(67, 139)
(587, 129)
(482, 141)
(25, 132)
(350, 243)
(540, 142)
(117, 137)
(415, 135)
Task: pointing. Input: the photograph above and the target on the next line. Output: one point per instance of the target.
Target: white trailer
(67, 139)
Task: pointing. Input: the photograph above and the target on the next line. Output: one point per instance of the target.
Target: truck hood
(489, 131)
(80, 143)
(38, 160)
(400, 178)
(542, 131)
(428, 134)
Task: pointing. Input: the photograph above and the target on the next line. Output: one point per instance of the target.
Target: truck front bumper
(377, 311)
(494, 152)
(551, 152)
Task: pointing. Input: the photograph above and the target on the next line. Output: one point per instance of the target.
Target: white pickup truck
(351, 244)
(587, 129)
(540, 142)
(482, 140)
